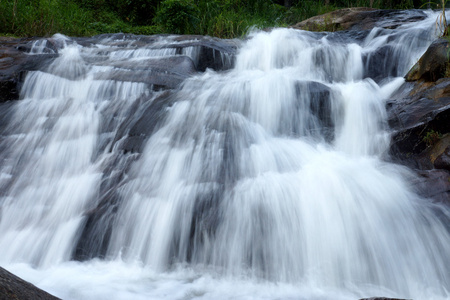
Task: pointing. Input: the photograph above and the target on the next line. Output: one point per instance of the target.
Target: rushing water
(266, 181)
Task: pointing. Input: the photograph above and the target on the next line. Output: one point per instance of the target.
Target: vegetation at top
(220, 18)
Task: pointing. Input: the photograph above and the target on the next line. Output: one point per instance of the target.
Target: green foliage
(441, 21)
(307, 9)
(178, 16)
(42, 17)
(137, 12)
(221, 18)
(431, 137)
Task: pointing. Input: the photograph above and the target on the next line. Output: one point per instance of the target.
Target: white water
(244, 191)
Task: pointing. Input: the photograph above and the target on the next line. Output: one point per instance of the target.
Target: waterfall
(269, 180)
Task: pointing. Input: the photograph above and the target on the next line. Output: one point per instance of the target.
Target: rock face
(419, 115)
(360, 18)
(177, 58)
(15, 62)
(433, 64)
(191, 54)
(12, 287)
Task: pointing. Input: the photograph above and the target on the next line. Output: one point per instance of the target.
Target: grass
(220, 18)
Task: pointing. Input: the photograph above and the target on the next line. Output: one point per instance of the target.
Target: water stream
(270, 180)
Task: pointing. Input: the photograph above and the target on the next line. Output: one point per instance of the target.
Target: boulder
(418, 115)
(13, 287)
(360, 18)
(433, 64)
(419, 111)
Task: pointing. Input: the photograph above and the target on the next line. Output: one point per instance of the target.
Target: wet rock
(161, 72)
(381, 63)
(418, 115)
(443, 160)
(320, 107)
(15, 62)
(433, 63)
(213, 53)
(418, 111)
(13, 287)
(381, 298)
(131, 134)
(193, 54)
(206, 52)
(332, 21)
(434, 184)
(360, 18)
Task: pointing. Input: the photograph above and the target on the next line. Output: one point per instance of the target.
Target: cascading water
(267, 181)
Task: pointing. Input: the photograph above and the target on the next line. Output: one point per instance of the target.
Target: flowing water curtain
(273, 171)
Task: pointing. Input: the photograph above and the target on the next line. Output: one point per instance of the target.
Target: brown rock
(419, 110)
(443, 160)
(433, 63)
(360, 18)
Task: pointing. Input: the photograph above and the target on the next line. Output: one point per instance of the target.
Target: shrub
(177, 16)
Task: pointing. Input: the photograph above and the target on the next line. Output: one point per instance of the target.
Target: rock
(213, 53)
(434, 184)
(161, 72)
(320, 107)
(381, 298)
(15, 63)
(206, 52)
(126, 148)
(13, 287)
(420, 109)
(418, 115)
(331, 21)
(433, 64)
(381, 63)
(360, 18)
(443, 160)
(193, 54)
(134, 131)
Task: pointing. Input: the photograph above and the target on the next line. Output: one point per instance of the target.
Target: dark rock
(434, 184)
(19, 56)
(213, 53)
(13, 287)
(418, 116)
(320, 107)
(433, 63)
(137, 129)
(443, 160)
(381, 63)
(381, 298)
(161, 72)
(126, 148)
(423, 108)
(15, 62)
(208, 52)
